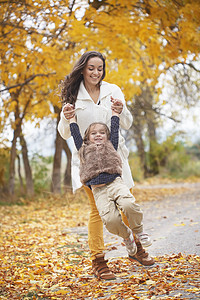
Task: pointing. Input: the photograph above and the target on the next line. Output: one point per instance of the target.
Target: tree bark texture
(67, 174)
(20, 175)
(27, 167)
(144, 118)
(151, 125)
(56, 173)
(137, 129)
(16, 134)
(11, 185)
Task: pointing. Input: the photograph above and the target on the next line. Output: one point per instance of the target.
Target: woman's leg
(95, 241)
(95, 227)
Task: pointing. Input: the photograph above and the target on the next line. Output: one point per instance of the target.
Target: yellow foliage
(41, 42)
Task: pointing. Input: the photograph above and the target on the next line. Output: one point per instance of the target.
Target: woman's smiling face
(93, 71)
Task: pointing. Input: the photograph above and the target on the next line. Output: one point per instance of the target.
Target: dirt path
(173, 224)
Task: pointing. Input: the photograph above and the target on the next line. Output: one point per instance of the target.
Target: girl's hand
(68, 111)
(117, 105)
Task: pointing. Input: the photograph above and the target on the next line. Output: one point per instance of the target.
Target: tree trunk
(67, 175)
(27, 167)
(11, 185)
(16, 133)
(20, 176)
(56, 173)
(151, 125)
(153, 161)
(137, 128)
(140, 146)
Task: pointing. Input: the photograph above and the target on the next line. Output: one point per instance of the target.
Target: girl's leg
(141, 256)
(95, 227)
(124, 219)
(109, 212)
(126, 203)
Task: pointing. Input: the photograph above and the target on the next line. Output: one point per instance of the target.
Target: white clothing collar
(104, 91)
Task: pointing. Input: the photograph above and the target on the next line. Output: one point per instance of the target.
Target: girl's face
(98, 134)
(93, 71)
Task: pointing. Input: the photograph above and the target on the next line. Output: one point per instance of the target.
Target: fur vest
(97, 159)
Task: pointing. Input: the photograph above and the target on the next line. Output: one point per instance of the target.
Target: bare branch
(26, 81)
(164, 115)
(189, 65)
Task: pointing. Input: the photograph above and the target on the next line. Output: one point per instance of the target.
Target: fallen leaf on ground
(39, 259)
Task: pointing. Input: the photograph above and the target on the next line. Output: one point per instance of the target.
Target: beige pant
(113, 197)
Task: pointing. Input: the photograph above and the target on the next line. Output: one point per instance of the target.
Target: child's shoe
(130, 245)
(141, 256)
(144, 239)
(101, 269)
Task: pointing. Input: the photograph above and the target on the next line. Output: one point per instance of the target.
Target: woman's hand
(68, 111)
(117, 105)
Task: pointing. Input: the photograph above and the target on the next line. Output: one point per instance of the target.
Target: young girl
(101, 170)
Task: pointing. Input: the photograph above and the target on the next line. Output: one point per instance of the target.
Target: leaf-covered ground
(40, 260)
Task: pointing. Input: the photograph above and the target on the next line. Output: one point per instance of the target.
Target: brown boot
(141, 256)
(100, 268)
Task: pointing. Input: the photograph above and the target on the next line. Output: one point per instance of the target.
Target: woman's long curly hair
(70, 85)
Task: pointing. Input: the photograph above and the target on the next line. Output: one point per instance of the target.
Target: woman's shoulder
(110, 89)
(108, 85)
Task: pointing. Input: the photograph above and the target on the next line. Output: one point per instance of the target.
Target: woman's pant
(95, 226)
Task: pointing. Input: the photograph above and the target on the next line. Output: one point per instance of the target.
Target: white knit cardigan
(88, 112)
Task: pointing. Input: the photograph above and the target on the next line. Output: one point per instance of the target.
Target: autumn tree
(142, 41)
(35, 42)
(41, 40)
(184, 82)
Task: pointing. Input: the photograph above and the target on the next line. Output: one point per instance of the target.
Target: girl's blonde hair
(86, 138)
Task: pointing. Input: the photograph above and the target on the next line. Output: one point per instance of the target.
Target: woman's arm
(67, 113)
(125, 116)
(63, 127)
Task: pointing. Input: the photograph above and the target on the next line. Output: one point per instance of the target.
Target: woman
(93, 100)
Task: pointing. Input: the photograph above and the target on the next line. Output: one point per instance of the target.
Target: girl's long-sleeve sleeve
(114, 131)
(75, 133)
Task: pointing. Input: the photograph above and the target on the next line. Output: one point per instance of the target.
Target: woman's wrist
(72, 120)
(114, 113)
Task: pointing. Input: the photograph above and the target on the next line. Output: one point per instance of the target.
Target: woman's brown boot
(100, 268)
